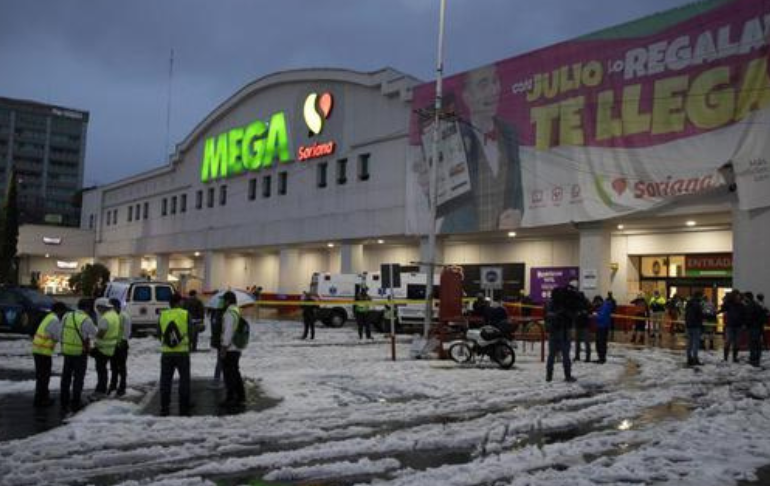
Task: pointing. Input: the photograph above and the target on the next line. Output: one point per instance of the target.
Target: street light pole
(434, 176)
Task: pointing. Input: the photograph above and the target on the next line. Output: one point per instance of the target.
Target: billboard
(625, 120)
(542, 280)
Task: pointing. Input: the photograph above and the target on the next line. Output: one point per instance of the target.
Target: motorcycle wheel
(504, 355)
(461, 353)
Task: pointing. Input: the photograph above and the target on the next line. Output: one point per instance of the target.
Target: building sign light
(66, 265)
(247, 148)
(49, 240)
(316, 110)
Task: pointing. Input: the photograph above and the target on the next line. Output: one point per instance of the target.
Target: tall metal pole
(434, 176)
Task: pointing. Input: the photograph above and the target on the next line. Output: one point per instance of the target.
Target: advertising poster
(625, 120)
(542, 280)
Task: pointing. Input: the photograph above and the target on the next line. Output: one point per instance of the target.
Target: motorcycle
(488, 341)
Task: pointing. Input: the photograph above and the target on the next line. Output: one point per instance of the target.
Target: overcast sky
(111, 58)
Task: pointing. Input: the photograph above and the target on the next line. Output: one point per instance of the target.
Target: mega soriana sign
(263, 142)
(709, 265)
(621, 121)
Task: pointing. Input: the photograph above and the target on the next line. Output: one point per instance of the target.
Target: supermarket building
(319, 170)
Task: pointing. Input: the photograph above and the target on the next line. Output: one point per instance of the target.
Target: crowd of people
(101, 329)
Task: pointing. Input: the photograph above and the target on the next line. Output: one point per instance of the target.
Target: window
(321, 171)
(91, 222)
(183, 203)
(164, 207)
(210, 198)
(283, 183)
(222, 195)
(107, 220)
(266, 186)
(115, 217)
(199, 199)
(173, 205)
(342, 171)
(163, 293)
(146, 212)
(142, 293)
(137, 212)
(252, 189)
(363, 167)
(130, 213)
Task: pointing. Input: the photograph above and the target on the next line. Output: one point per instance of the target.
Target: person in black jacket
(309, 315)
(558, 321)
(582, 322)
(756, 317)
(693, 319)
(733, 310)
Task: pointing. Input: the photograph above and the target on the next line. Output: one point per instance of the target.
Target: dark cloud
(111, 58)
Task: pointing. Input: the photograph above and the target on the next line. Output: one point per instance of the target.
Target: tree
(9, 232)
(90, 279)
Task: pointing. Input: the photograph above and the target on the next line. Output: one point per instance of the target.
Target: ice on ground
(350, 414)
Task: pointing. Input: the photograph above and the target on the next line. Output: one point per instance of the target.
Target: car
(143, 300)
(22, 309)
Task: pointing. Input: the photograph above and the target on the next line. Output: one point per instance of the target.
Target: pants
(657, 325)
(218, 367)
(72, 376)
(558, 342)
(731, 341)
(42, 378)
(168, 364)
(309, 327)
(582, 340)
(364, 324)
(601, 344)
(101, 371)
(233, 378)
(755, 345)
(693, 343)
(118, 367)
(193, 331)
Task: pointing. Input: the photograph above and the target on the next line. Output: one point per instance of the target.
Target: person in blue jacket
(603, 325)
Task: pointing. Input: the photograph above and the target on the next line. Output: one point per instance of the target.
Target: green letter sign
(246, 148)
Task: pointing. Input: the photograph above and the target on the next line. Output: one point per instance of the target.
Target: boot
(570, 379)
(735, 356)
(689, 361)
(726, 353)
(549, 376)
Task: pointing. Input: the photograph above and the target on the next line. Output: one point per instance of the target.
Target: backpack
(241, 333)
(172, 336)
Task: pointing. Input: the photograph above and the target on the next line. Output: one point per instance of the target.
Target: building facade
(630, 160)
(46, 144)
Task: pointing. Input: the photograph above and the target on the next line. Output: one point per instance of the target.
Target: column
(213, 271)
(351, 258)
(595, 255)
(161, 267)
(288, 272)
(424, 254)
(751, 265)
(134, 266)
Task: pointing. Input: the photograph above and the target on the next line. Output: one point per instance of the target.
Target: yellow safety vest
(72, 332)
(179, 316)
(106, 344)
(43, 343)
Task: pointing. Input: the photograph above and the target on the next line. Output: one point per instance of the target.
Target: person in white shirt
(231, 354)
(118, 363)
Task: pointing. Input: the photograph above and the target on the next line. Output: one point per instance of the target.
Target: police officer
(309, 315)
(361, 311)
(77, 332)
(43, 344)
(657, 313)
(175, 355)
(558, 319)
(231, 354)
(108, 333)
(118, 363)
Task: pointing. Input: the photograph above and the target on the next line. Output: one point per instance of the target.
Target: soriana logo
(316, 110)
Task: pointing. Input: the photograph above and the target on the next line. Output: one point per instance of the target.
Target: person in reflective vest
(175, 355)
(231, 354)
(47, 335)
(77, 332)
(118, 363)
(108, 333)
(361, 311)
(657, 313)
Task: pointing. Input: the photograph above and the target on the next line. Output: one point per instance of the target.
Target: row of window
(172, 205)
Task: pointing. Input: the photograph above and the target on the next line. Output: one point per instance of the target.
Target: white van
(143, 300)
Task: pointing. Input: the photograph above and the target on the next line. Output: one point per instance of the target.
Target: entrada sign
(257, 145)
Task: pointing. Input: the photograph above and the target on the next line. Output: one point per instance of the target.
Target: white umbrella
(242, 298)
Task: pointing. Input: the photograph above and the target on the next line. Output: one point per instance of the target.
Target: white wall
(680, 243)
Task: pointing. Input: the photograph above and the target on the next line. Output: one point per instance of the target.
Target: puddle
(763, 477)
(676, 410)
(206, 399)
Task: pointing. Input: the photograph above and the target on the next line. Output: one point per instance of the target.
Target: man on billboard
(494, 166)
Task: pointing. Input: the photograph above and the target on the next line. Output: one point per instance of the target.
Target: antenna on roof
(168, 102)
